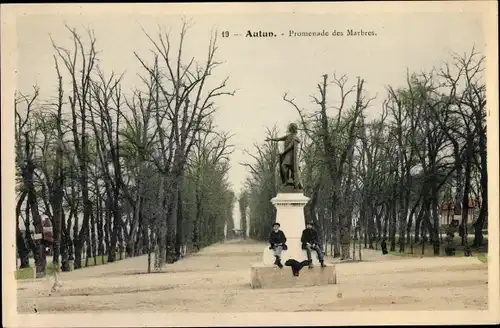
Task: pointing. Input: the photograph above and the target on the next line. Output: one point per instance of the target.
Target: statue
(288, 166)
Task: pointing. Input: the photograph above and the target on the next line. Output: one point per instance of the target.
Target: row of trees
(141, 171)
(388, 177)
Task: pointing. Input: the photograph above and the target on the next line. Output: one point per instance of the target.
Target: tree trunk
(139, 244)
(466, 191)
(335, 237)
(88, 245)
(410, 222)
(160, 250)
(310, 208)
(362, 220)
(77, 244)
(65, 243)
(393, 217)
(135, 219)
(424, 226)
(483, 212)
(116, 231)
(386, 221)
(404, 204)
(57, 226)
(108, 225)
(427, 226)
(121, 234)
(100, 227)
(197, 220)
(380, 228)
(58, 192)
(418, 222)
(39, 253)
(323, 229)
(371, 227)
(149, 240)
(436, 232)
(172, 222)
(93, 237)
(22, 251)
(344, 238)
(478, 227)
(179, 238)
(359, 244)
(84, 233)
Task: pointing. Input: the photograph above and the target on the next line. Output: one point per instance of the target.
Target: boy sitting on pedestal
(277, 239)
(309, 241)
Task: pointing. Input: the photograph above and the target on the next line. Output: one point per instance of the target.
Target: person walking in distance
(384, 247)
(277, 240)
(310, 242)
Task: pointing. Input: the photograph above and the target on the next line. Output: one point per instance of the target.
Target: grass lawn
(25, 273)
(480, 252)
(482, 257)
(28, 273)
(98, 260)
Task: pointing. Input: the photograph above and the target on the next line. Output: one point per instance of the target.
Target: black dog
(296, 265)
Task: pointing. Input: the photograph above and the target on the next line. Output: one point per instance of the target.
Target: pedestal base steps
(265, 276)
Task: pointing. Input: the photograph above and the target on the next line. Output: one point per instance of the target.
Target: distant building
(449, 212)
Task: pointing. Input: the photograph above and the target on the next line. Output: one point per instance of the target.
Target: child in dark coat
(277, 240)
(310, 242)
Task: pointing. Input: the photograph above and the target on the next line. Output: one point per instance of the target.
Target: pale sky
(260, 70)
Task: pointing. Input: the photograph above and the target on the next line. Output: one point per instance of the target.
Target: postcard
(258, 164)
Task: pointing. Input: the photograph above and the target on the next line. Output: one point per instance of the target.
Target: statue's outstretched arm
(277, 139)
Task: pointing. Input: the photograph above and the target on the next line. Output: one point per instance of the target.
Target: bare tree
(27, 136)
(81, 88)
(337, 137)
(186, 103)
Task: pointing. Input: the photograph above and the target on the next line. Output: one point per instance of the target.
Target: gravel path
(217, 279)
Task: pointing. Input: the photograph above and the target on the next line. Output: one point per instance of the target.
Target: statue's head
(292, 128)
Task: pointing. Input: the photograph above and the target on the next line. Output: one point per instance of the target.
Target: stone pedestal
(290, 216)
(265, 276)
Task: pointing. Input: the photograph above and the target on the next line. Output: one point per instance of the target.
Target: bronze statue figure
(289, 171)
